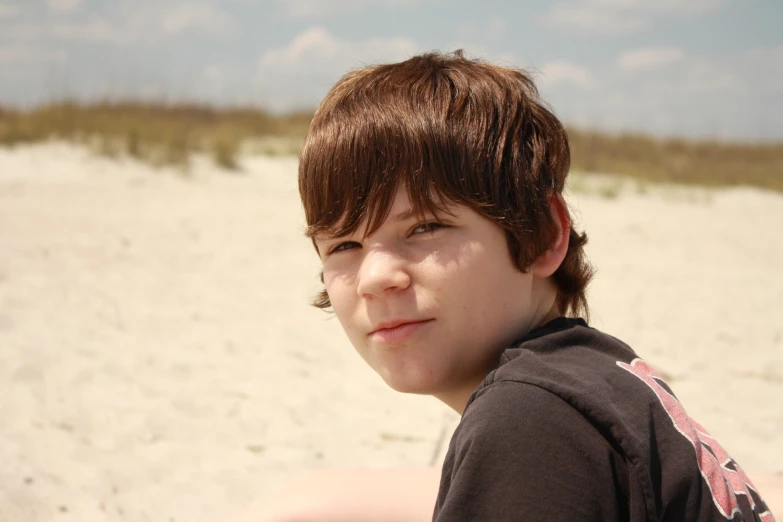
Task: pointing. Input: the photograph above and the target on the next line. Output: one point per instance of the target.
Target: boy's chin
(412, 385)
(405, 384)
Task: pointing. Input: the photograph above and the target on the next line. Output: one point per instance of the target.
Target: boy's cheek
(332, 282)
(340, 296)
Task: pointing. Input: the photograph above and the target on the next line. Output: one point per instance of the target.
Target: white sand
(159, 360)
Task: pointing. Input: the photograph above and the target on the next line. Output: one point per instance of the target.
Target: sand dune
(160, 362)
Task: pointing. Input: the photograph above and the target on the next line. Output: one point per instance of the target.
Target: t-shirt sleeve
(523, 453)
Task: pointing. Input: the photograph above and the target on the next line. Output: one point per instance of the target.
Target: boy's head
(442, 138)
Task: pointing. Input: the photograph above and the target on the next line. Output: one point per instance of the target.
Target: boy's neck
(457, 398)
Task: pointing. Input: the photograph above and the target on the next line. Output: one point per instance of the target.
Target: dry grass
(707, 163)
(168, 133)
(157, 133)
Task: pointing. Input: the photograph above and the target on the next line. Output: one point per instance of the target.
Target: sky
(694, 68)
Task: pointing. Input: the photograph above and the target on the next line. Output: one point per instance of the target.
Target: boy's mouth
(397, 330)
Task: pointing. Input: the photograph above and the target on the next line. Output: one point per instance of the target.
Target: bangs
(354, 162)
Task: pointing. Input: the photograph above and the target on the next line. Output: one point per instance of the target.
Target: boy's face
(430, 304)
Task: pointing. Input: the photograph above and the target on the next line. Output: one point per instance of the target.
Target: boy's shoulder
(579, 364)
(564, 356)
(567, 382)
(572, 413)
(523, 450)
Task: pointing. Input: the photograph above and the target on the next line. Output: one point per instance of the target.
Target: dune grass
(161, 134)
(676, 160)
(168, 133)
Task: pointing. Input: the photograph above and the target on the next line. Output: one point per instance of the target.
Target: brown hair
(451, 129)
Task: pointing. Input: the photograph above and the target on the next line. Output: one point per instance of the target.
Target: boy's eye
(344, 246)
(430, 227)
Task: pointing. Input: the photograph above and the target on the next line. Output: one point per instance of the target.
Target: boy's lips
(397, 330)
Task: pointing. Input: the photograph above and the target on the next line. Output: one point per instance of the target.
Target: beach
(160, 360)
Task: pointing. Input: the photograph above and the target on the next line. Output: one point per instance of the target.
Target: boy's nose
(380, 272)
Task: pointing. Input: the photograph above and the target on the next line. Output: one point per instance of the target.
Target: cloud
(302, 71)
(212, 73)
(764, 68)
(14, 54)
(733, 95)
(199, 17)
(317, 50)
(494, 28)
(678, 75)
(561, 72)
(131, 23)
(497, 27)
(314, 8)
(620, 16)
(707, 77)
(95, 29)
(24, 32)
(584, 18)
(672, 7)
(8, 10)
(64, 6)
(649, 58)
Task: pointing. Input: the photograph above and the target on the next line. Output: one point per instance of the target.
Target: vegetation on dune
(162, 133)
(676, 160)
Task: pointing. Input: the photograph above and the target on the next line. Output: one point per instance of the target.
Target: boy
(432, 193)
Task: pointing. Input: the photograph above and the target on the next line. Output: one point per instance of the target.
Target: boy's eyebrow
(411, 213)
(404, 215)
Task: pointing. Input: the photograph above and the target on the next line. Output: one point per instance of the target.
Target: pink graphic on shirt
(723, 475)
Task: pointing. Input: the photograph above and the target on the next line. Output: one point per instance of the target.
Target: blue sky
(705, 68)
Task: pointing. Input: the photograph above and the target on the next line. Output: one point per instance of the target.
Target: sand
(159, 360)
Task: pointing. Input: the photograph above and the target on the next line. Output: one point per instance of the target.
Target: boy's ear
(550, 260)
